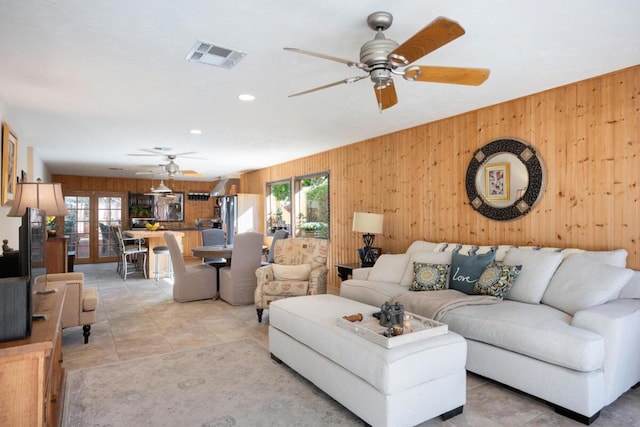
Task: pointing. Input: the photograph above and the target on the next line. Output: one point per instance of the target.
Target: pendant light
(161, 188)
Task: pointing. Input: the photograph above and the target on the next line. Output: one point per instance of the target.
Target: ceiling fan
(171, 168)
(382, 57)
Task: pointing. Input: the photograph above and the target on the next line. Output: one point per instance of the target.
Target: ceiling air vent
(208, 53)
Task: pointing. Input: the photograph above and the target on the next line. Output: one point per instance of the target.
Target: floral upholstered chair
(299, 268)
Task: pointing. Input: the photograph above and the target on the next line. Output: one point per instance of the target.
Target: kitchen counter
(173, 229)
(154, 238)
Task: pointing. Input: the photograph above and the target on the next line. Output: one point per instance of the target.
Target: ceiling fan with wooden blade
(165, 152)
(381, 58)
(171, 167)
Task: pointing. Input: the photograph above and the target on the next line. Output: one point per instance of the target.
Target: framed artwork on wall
(9, 164)
(496, 181)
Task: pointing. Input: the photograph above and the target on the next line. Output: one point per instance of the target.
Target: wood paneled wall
(587, 134)
(192, 211)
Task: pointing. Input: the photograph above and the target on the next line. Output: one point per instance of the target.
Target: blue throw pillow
(467, 269)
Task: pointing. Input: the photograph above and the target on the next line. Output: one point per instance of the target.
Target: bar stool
(162, 250)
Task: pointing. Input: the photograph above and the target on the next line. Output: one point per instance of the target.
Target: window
(278, 206)
(312, 205)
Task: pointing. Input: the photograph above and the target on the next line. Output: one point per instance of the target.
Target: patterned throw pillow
(429, 277)
(497, 279)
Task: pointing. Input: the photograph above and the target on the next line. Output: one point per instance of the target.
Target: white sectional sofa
(567, 331)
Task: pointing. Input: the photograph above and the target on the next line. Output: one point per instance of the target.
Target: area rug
(229, 384)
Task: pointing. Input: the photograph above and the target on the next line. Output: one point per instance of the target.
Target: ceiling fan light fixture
(382, 84)
(172, 168)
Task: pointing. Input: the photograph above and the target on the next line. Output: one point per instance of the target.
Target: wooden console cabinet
(31, 373)
(57, 254)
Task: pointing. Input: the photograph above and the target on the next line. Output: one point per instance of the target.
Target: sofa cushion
(500, 250)
(467, 269)
(537, 269)
(288, 288)
(632, 288)
(389, 268)
(421, 246)
(580, 283)
(423, 257)
(298, 272)
(617, 258)
(497, 279)
(535, 330)
(429, 277)
(372, 293)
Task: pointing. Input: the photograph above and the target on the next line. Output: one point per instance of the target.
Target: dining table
(218, 251)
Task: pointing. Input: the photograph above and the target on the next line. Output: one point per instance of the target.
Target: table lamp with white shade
(39, 195)
(369, 224)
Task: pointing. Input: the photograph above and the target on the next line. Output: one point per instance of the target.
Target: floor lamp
(369, 224)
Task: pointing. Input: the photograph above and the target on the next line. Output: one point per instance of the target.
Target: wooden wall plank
(587, 134)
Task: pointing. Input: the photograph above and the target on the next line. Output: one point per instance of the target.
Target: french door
(91, 214)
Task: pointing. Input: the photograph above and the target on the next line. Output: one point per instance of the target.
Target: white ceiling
(89, 82)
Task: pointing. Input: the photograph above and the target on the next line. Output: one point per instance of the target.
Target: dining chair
(213, 237)
(238, 281)
(192, 283)
(280, 234)
(132, 254)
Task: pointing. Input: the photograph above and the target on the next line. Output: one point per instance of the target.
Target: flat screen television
(33, 239)
(16, 293)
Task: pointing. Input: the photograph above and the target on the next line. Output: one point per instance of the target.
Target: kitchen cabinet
(191, 239)
(141, 205)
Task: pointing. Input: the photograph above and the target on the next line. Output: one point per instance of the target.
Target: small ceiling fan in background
(380, 58)
(171, 167)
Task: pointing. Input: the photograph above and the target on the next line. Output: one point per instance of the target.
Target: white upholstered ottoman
(401, 386)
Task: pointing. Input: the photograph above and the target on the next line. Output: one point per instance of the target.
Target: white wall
(28, 161)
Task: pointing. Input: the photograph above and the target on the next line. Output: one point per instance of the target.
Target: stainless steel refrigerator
(240, 213)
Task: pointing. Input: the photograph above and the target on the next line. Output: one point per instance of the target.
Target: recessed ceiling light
(195, 132)
(246, 97)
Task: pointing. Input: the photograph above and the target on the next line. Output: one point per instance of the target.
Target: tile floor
(138, 318)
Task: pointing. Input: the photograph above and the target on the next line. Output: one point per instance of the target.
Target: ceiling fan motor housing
(375, 53)
(377, 50)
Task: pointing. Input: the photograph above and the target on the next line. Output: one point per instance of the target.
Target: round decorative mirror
(505, 179)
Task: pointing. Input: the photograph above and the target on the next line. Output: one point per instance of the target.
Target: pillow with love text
(467, 269)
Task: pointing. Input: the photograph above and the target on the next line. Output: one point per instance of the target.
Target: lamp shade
(47, 197)
(365, 222)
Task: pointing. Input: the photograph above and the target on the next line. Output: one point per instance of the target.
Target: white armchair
(80, 303)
